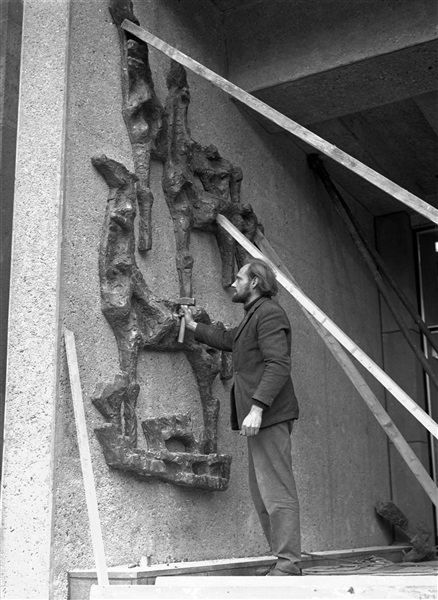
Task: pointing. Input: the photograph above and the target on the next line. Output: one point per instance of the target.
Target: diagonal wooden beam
(85, 458)
(364, 390)
(365, 251)
(299, 131)
(392, 387)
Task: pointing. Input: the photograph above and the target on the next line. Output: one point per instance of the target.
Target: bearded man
(263, 406)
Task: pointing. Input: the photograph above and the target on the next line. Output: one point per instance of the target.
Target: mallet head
(185, 301)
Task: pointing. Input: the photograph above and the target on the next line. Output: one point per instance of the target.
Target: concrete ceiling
(231, 5)
(362, 74)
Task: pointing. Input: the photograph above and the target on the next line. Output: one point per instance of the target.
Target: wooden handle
(182, 329)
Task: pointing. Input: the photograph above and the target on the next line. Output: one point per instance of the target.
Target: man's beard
(243, 296)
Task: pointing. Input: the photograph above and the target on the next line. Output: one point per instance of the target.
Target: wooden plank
(337, 333)
(365, 251)
(85, 456)
(327, 581)
(276, 588)
(380, 263)
(284, 122)
(361, 386)
(127, 592)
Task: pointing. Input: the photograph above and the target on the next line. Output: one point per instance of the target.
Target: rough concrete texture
(340, 453)
(320, 37)
(338, 486)
(11, 14)
(33, 341)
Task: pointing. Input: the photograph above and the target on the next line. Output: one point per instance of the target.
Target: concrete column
(34, 331)
(11, 14)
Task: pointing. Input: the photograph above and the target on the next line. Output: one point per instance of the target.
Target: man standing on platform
(263, 406)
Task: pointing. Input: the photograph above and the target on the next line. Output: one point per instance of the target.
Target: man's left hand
(252, 421)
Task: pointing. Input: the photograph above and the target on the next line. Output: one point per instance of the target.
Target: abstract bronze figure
(140, 321)
(198, 184)
(142, 113)
(195, 206)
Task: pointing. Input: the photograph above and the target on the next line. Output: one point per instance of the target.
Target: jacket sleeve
(215, 337)
(272, 335)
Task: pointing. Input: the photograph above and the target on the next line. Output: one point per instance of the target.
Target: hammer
(182, 327)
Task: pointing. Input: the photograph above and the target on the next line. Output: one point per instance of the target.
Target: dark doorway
(427, 247)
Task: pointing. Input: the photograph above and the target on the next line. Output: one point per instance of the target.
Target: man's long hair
(267, 284)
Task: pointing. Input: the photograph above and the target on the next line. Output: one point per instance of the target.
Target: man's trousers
(274, 493)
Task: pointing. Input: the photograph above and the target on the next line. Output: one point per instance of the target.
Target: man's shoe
(264, 570)
(278, 572)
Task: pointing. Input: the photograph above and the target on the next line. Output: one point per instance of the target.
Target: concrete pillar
(34, 332)
(396, 246)
(11, 14)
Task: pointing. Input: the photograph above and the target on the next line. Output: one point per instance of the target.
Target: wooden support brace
(381, 265)
(284, 122)
(85, 456)
(361, 386)
(337, 333)
(368, 257)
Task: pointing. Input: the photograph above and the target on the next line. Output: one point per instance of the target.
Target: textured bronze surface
(142, 113)
(140, 321)
(198, 184)
(209, 472)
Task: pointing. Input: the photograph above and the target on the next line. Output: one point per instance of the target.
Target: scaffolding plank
(336, 154)
(389, 427)
(85, 457)
(337, 333)
(281, 588)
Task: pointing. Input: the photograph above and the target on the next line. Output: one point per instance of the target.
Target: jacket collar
(254, 306)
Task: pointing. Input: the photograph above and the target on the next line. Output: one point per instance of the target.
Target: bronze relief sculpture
(198, 184)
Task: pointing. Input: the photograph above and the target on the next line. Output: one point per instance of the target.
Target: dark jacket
(261, 347)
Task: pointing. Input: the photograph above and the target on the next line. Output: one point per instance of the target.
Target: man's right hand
(252, 421)
(188, 315)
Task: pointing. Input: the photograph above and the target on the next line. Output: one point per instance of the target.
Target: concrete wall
(340, 453)
(315, 65)
(33, 332)
(318, 37)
